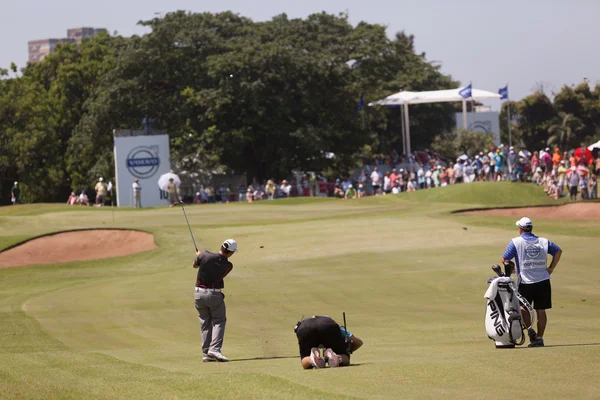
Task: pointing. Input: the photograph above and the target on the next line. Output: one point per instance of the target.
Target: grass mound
(488, 194)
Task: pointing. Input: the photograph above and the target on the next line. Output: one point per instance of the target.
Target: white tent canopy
(434, 96)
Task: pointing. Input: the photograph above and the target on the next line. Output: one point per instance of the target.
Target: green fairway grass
(409, 274)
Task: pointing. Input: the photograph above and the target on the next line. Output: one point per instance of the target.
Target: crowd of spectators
(571, 173)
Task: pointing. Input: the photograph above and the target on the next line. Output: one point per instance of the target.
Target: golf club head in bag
(509, 268)
(503, 318)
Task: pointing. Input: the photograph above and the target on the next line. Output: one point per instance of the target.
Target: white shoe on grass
(315, 358)
(218, 356)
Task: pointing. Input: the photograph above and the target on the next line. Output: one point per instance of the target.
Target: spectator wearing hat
(172, 192)
(530, 253)
(361, 190)
(350, 193)
(101, 188)
(561, 172)
(270, 190)
(15, 193)
(498, 165)
(137, 193)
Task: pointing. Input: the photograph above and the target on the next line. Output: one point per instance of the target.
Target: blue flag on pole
(361, 103)
(503, 92)
(465, 92)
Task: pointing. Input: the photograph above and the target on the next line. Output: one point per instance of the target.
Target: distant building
(39, 49)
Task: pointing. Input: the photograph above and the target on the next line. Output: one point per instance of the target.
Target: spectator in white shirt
(375, 181)
(387, 183)
(459, 172)
(285, 188)
(137, 193)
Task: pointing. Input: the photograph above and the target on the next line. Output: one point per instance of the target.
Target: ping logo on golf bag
(143, 161)
(495, 316)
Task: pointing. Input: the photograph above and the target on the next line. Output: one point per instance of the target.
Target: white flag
(109, 186)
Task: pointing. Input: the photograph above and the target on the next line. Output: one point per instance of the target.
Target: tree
(565, 133)
(234, 95)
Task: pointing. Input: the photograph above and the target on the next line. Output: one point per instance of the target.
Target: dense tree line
(260, 98)
(571, 118)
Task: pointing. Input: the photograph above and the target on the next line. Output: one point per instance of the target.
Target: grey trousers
(211, 312)
(137, 199)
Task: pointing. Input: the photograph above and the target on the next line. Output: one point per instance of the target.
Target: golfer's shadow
(264, 358)
(562, 345)
(285, 357)
(573, 345)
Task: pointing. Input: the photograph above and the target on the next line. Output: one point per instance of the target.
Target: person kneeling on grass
(322, 331)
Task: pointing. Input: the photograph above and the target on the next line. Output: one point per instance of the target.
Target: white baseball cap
(230, 245)
(349, 186)
(524, 223)
(100, 179)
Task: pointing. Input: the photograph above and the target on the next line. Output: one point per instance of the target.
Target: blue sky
(524, 43)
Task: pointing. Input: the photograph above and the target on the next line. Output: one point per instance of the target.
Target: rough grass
(408, 275)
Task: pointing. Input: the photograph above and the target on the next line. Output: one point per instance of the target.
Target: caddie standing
(530, 253)
(209, 298)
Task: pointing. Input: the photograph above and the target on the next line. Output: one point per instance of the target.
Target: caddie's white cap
(100, 179)
(349, 186)
(524, 223)
(230, 245)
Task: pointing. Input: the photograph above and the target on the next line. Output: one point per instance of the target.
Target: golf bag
(503, 319)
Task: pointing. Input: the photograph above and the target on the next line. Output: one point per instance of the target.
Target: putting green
(409, 275)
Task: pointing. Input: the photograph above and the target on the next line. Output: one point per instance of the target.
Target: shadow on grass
(285, 357)
(573, 345)
(264, 358)
(560, 345)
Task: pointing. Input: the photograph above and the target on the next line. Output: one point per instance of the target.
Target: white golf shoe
(218, 356)
(315, 358)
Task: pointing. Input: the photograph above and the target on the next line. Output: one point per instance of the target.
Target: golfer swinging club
(530, 253)
(209, 298)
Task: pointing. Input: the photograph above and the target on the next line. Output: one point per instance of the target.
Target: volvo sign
(141, 156)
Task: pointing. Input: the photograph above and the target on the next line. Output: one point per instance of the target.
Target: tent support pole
(407, 129)
(403, 130)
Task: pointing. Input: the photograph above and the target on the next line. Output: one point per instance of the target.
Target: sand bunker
(577, 211)
(79, 245)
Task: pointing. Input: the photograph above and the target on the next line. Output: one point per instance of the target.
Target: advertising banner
(145, 157)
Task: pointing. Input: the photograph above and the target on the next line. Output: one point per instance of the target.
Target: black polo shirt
(212, 268)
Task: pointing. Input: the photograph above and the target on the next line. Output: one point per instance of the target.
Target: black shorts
(539, 294)
(324, 331)
(573, 191)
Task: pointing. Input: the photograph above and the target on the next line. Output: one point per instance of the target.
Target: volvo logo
(143, 161)
(532, 251)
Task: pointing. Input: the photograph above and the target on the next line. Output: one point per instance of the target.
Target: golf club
(180, 203)
(496, 268)
(348, 343)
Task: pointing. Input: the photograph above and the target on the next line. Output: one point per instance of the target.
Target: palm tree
(564, 132)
